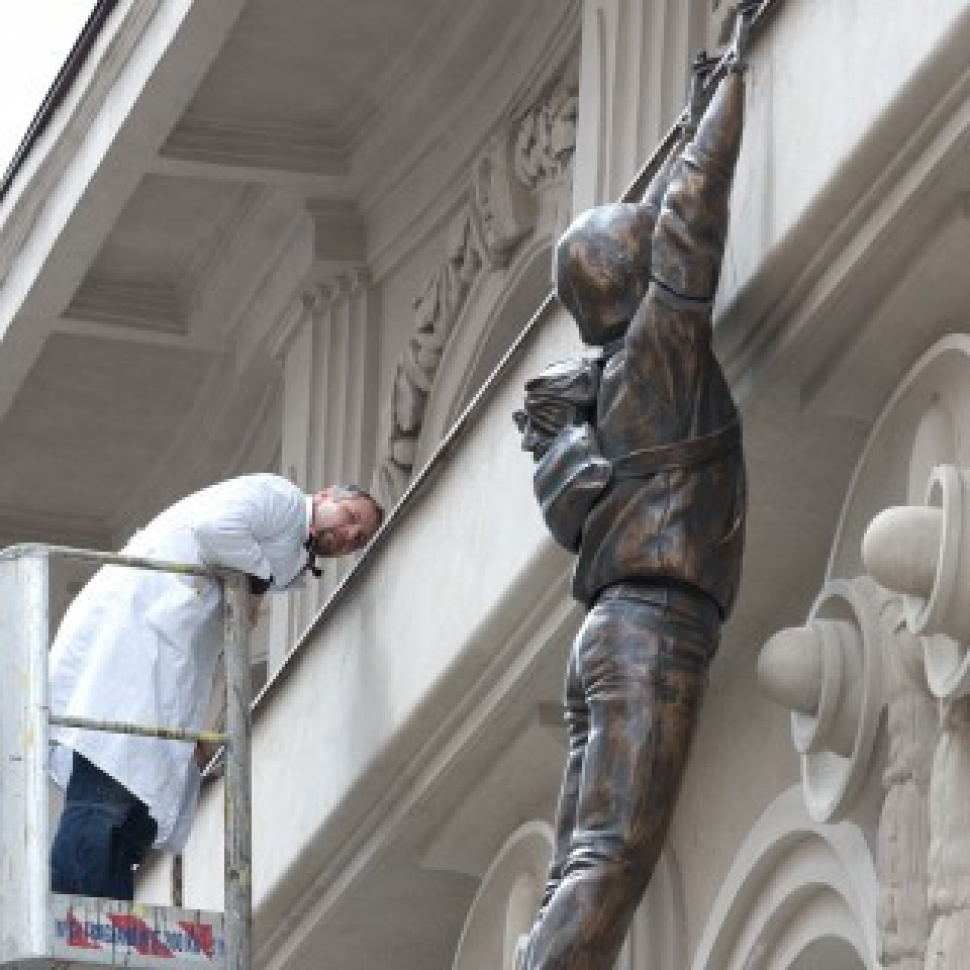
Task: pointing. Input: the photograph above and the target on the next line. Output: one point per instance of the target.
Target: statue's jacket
(665, 385)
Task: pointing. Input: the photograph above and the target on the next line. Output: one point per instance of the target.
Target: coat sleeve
(234, 526)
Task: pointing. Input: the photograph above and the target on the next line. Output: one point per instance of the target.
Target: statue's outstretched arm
(690, 117)
(691, 230)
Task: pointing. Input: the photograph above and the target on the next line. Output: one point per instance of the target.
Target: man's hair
(355, 491)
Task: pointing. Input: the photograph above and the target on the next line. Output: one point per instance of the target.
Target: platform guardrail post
(238, 885)
(36, 580)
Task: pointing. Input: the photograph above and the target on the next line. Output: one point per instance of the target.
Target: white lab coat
(142, 647)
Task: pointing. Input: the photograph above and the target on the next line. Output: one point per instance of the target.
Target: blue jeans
(104, 833)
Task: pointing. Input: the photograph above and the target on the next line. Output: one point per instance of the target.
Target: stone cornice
(55, 149)
(141, 304)
(316, 150)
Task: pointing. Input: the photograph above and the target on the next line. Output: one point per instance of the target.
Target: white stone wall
(407, 754)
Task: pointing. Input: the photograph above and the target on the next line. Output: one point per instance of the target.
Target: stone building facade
(316, 238)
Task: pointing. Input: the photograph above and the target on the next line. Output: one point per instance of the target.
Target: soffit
(89, 426)
(311, 64)
(154, 264)
(167, 226)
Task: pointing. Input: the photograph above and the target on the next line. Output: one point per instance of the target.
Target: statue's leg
(643, 668)
(577, 725)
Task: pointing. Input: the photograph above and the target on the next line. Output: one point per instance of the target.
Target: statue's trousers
(634, 686)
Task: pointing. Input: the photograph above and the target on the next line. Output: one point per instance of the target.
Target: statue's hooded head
(603, 269)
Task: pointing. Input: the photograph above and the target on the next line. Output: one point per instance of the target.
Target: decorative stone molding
(40, 173)
(502, 207)
(545, 140)
(500, 917)
(522, 161)
(297, 313)
(794, 885)
(949, 855)
(904, 833)
(317, 150)
(436, 310)
(924, 553)
(853, 657)
(150, 306)
(915, 552)
(829, 673)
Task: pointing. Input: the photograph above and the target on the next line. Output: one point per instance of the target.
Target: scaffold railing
(40, 928)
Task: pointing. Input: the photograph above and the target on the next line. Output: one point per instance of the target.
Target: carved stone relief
(913, 550)
(525, 159)
(903, 841)
(853, 659)
(546, 139)
(436, 310)
(829, 674)
(917, 553)
(919, 550)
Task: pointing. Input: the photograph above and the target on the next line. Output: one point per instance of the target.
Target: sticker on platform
(102, 931)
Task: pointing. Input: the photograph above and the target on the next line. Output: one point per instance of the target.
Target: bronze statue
(640, 470)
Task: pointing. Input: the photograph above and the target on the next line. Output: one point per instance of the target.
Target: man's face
(343, 525)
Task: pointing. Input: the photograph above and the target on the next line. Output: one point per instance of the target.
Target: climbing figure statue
(640, 471)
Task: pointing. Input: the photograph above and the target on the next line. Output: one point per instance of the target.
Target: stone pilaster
(345, 355)
(327, 349)
(633, 83)
(294, 351)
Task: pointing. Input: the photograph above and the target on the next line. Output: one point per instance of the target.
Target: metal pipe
(34, 590)
(111, 559)
(238, 794)
(120, 727)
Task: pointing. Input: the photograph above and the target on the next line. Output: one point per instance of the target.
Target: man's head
(603, 268)
(345, 519)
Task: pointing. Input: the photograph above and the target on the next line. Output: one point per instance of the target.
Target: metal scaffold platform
(42, 929)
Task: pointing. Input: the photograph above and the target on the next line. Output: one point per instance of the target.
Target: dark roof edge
(59, 89)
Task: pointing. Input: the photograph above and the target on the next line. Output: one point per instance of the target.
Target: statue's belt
(678, 454)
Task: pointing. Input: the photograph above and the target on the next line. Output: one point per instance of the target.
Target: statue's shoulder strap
(679, 454)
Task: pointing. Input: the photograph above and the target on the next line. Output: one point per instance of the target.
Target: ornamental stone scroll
(504, 210)
(923, 552)
(904, 522)
(527, 159)
(829, 673)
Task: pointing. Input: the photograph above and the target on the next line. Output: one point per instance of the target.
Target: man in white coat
(142, 647)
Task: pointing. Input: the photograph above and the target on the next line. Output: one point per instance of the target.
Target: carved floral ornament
(522, 162)
(916, 557)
